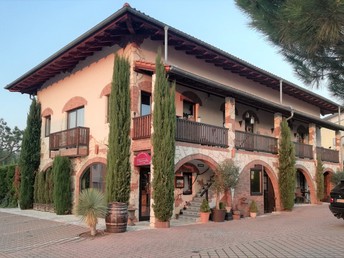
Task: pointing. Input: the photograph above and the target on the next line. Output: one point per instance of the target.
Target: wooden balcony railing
(303, 150)
(328, 155)
(255, 142)
(71, 142)
(186, 131)
(142, 127)
(195, 132)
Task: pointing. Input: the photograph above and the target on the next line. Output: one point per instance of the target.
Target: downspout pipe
(291, 113)
(166, 43)
(281, 91)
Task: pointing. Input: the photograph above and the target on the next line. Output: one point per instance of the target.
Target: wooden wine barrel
(116, 218)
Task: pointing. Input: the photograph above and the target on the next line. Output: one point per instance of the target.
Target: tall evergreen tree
(30, 155)
(309, 33)
(287, 171)
(118, 157)
(62, 169)
(319, 177)
(164, 123)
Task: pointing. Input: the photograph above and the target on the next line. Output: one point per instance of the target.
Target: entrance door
(269, 195)
(144, 203)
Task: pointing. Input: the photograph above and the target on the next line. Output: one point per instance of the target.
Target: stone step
(198, 199)
(183, 217)
(191, 212)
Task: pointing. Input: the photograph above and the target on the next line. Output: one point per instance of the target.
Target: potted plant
(253, 209)
(204, 211)
(118, 174)
(226, 177)
(91, 205)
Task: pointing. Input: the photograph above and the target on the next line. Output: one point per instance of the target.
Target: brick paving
(307, 231)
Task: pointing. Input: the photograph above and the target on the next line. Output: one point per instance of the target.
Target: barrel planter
(116, 218)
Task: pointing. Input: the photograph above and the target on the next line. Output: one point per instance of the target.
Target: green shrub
(319, 177)
(62, 185)
(49, 186)
(35, 189)
(205, 206)
(337, 177)
(253, 206)
(41, 189)
(90, 207)
(164, 123)
(30, 155)
(118, 156)
(286, 167)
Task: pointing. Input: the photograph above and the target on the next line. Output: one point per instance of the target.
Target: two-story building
(225, 108)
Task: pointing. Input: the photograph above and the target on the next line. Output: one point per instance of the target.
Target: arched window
(93, 177)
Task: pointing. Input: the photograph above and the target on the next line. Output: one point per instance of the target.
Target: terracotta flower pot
(162, 224)
(204, 217)
(253, 214)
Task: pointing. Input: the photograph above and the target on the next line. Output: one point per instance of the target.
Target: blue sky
(32, 30)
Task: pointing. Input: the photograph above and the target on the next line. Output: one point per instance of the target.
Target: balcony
(186, 131)
(70, 143)
(328, 154)
(303, 151)
(255, 142)
(194, 132)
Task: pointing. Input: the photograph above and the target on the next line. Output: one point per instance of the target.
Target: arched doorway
(193, 177)
(302, 189)
(257, 182)
(327, 186)
(93, 177)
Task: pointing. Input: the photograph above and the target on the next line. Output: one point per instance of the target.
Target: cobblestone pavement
(307, 231)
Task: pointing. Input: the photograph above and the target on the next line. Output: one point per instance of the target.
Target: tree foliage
(30, 155)
(337, 177)
(118, 157)
(226, 178)
(8, 197)
(62, 185)
(164, 123)
(319, 177)
(309, 33)
(10, 140)
(287, 171)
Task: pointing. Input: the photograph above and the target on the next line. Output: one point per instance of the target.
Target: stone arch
(208, 160)
(192, 97)
(271, 174)
(47, 112)
(82, 169)
(106, 90)
(74, 103)
(328, 185)
(310, 183)
(46, 166)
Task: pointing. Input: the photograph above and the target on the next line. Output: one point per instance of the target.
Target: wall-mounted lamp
(272, 130)
(252, 120)
(247, 115)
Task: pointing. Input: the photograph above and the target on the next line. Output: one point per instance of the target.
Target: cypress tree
(62, 185)
(30, 155)
(320, 179)
(118, 157)
(287, 171)
(164, 122)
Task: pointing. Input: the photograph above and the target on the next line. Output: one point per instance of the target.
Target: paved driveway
(307, 231)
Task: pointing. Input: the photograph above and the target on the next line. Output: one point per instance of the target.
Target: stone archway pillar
(230, 123)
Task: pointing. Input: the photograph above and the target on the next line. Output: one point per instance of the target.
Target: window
(187, 183)
(145, 103)
(75, 118)
(93, 177)
(256, 181)
(188, 109)
(47, 125)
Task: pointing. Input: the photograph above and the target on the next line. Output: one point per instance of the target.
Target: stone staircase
(191, 213)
